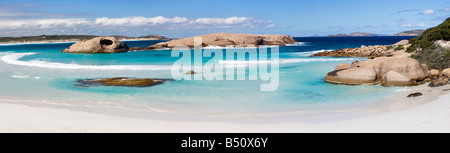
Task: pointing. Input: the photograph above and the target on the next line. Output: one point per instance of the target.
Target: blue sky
(182, 18)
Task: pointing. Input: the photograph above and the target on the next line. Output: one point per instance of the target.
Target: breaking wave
(13, 59)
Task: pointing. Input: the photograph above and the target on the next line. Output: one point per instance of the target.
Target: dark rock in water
(446, 90)
(439, 82)
(121, 81)
(417, 94)
(191, 72)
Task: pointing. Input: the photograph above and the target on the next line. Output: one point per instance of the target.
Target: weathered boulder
(352, 76)
(390, 71)
(446, 72)
(227, 39)
(433, 74)
(393, 78)
(407, 67)
(439, 82)
(98, 45)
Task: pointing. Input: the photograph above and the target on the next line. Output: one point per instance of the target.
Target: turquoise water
(41, 72)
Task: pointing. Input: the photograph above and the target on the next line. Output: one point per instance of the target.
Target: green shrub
(389, 47)
(411, 49)
(400, 47)
(429, 36)
(435, 57)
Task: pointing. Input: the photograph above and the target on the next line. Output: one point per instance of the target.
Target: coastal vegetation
(427, 51)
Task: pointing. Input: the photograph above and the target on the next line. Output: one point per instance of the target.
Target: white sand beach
(428, 113)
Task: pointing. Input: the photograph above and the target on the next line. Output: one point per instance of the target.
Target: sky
(183, 18)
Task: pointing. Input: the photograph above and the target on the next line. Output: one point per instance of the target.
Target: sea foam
(309, 53)
(13, 59)
(296, 44)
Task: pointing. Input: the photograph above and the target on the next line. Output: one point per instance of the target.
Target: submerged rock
(417, 94)
(121, 81)
(191, 72)
(98, 45)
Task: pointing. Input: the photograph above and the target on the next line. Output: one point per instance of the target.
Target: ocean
(42, 73)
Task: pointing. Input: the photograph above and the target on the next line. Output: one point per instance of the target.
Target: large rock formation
(390, 71)
(397, 49)
(224, 40)
(98, 45)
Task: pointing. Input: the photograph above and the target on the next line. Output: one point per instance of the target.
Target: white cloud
(405, 25)
(447, 9)
(428, 12)
(158, 22)
(421, 25)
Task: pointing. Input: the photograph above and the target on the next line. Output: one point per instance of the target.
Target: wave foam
(291, 60)
(13, 59)
(299, 60)
(296, 44)
(309, 53)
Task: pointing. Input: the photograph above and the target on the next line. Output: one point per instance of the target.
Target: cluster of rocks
(397, 49)
(224, 40)
(389, 71)
(439, 78)
(112, 45)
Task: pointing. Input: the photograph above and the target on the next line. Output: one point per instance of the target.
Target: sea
(42, 73)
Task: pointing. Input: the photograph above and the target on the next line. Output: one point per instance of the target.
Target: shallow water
(41, 72)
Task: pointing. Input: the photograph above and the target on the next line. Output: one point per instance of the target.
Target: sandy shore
(429, 113)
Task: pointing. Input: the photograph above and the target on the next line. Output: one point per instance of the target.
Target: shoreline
(394, 115)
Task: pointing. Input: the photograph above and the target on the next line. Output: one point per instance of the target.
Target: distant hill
(70, 38)
(417, 32)
(354, 34)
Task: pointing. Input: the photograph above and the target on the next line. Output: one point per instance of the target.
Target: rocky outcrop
(397, 49)
(224, 40)
(98, 45)
(390, 71)
(122, 81)
(439, 82)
